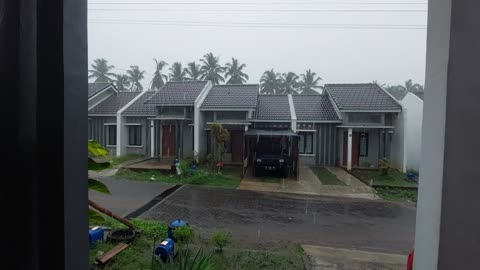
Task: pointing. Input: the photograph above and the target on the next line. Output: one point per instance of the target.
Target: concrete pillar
(447, 232)
(152, 138)
(349, 149)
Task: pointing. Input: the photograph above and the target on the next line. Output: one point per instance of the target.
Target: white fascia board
(293, 114)
(335, 107)
(371, 111)
(101, 115)
(108, 87)
(100, 101)
(196, 116)
(272, 121)
(225, 109)
(398, 102)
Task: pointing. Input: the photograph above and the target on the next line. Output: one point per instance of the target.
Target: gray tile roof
(232, 97)
(96, 87)
(361, 97)
(314, 108)
(273, 107)
(140, 108)
(178, 93)
(113, 103)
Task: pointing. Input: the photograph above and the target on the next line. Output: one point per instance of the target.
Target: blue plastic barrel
(165, 250)
(177, 223)
(95, 234)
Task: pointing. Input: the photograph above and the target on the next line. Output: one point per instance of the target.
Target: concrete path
(263, 217)
(308, 183)
(127, 196)
(327, 258)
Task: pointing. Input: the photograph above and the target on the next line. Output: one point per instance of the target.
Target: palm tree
(413, 87)
(309, 83)
(159, 79)
(122, 82)
(135, 76)
(177, 73)
(210, 69)
(269, 82)
(101, 70)
(234, 71)
(193, 71)
(289, 83)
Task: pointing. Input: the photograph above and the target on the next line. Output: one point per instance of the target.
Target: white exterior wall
(397, 156)
(413, 130)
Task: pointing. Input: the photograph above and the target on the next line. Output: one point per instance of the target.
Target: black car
(270, 158)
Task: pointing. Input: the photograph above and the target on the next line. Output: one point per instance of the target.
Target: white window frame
(313, 143)
(141, 136)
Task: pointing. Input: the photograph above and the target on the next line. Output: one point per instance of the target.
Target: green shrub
(221, 238)
(184, 235)
(186, 260)
(185, 169)
(384, 166)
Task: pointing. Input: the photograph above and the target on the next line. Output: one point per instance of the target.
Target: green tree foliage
(193, 71)
(221, 238)
(234, 72)
(270, 82)
(122, 82)
(136, 75)
(399, 91)
(221, 136)
(211, 69)
(177, 73)
(159, 79)
(101, 70)
(289, 83)
(309, 83)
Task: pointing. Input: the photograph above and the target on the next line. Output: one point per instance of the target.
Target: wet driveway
(260, 217)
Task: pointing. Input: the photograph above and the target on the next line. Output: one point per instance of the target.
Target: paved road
(256, 217)
(126, 196)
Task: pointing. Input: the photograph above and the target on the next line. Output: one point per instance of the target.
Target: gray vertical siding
(324, 145)
(327, 140)
(97, 130)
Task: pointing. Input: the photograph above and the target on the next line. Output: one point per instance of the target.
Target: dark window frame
(109, 135)
(137, 138)
(302, 145)
(363, 135)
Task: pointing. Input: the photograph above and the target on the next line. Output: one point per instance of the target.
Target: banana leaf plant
(98, 160)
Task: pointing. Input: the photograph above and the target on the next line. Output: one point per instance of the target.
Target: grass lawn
(326, 177)
(397, 194)
(393, 179)
(229, 178)
(120, 160)
(280, 256)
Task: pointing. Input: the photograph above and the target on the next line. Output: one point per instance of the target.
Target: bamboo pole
(110, 214)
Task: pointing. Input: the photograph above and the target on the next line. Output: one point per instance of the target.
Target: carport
(289, 142)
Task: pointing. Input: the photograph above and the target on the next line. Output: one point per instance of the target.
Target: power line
(259, 3)
(265, 10)
(386, 27)
(259, 23)
(129, 69)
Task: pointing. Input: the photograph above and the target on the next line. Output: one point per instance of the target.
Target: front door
(355, 148)
(168, 141)
(236, 140)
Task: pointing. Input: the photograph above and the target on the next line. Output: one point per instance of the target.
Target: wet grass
(393, 179)
(281, 255)
(122, 159)
(326, 177)
(228, 178)
(397, 194)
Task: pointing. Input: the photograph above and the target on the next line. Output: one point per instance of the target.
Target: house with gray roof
(350, 125)
(368, 114)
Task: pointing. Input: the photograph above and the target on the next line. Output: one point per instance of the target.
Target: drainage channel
(157, 199)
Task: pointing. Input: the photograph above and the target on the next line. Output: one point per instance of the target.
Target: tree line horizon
(209, 68)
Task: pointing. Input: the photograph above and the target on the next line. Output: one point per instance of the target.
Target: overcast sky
(280, 34)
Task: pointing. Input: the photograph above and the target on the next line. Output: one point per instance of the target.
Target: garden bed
(229, 177)
(281, 255)
(393, 179)
(326, 177)
(399, 194)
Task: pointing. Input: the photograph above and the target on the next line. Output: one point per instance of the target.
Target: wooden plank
(105, 257)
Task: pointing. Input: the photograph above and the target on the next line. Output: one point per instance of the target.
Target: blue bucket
(165, 250)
